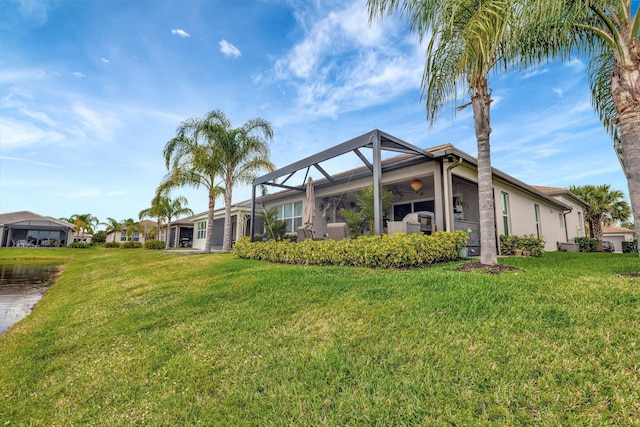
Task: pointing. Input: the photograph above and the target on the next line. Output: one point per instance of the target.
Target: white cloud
(344, 64)
(228, 49)
(105, 60)
(558, 91)
(20, 75)
(17, 133)
(79, 74)
(180, 33)
(97, 123)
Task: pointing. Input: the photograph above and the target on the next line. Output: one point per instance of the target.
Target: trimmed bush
(79, 245)
(155, 244)
(130, 245)
(586, 244)
(112, 245)
(530, 243)
(629, 247)
(384, 251)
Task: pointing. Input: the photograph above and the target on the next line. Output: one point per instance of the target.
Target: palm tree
(608, 29)
(606, 206)
(193, 160)
(175, 208)
(367, 204)
(113, 225)
(156, 210)
(84, 223)
(242, 153)
(469, 39)
(130, 226)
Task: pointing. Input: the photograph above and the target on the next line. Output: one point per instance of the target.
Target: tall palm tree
(468, 40)
(608, 32)
(113, 225)
(193, 160)
(606, 206)
(242, 153)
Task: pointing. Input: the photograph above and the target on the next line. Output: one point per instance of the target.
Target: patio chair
(337, 231)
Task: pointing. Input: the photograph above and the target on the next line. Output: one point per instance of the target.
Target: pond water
(22, 284)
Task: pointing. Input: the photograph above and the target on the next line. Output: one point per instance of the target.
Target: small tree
(367, 204)
(274, 227)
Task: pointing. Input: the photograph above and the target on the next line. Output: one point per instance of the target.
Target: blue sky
(91, 91)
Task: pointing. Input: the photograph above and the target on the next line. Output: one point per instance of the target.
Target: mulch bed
(489, 269)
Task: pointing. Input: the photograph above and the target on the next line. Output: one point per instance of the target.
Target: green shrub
(629, 247)
(384, 251)
(586, 244)
(155, 244)
(530, 243)
(111, 244)
(130, 245)
(79, 245)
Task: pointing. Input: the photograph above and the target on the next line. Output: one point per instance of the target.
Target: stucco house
(438, 184)
(28, 229)
(240, 214)
(617, 235)
(140, 234)
(181, 233)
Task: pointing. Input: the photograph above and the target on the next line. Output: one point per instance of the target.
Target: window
(536, 208)
(202, 230)
(291, 213)
(505, 212)
(400, 210)
(580, 225)
(136, 236)
(123, 236)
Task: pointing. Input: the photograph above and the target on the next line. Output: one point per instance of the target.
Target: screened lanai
(377, 141)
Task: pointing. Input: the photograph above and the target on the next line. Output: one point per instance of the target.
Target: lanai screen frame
(377, 140)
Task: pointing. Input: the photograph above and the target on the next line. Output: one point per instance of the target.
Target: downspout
(253, 211)
(449, 198)
(564, 218)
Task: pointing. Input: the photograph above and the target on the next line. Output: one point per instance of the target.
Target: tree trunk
(226, 240)
(168, 242)
(481, 102)
(209, 231)
(625, 88)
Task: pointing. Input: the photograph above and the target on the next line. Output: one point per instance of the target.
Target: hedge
(155, 244)
(530, 243)
(383, 251)
(130, 245)
(586, 244)
(629, 247)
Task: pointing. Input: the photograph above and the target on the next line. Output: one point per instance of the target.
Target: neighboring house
(29, 229)
(83, 238)
(137, 235)
(181, 231)
(240, 214)
(617, 235)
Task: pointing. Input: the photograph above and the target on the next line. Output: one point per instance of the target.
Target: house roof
(612, 229)
(31, 218)
(436, 152)
(556, 191)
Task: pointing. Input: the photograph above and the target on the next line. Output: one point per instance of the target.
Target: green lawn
(164, 338)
